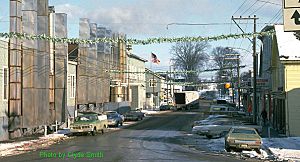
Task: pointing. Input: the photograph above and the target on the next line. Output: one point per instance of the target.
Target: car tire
(117, 124)
(227, 148)
(257, 150)
(94, 132)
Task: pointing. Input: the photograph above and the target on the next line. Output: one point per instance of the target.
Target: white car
(209, 119)
(220, 128)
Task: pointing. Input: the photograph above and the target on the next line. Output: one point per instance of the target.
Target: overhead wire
(249, 7)
(240, 7)
(260, 7)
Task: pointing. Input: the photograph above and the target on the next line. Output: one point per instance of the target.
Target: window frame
(5, 86)
(72, 85)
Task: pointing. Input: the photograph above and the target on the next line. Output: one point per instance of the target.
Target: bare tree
(225, 72)
(220, 62)
(190, 56)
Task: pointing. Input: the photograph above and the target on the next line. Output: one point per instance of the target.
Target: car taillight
(230, 140)
(257, 142)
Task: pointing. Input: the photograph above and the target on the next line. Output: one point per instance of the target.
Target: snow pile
(251, 154)
(216, 144)
(23, 146)
(284, 148)
(149, 112)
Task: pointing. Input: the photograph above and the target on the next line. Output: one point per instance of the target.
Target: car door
(99, 123)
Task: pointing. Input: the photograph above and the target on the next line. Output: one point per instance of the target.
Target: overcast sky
(149, 18)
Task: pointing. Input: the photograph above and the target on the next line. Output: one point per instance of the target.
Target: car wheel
(209, 136)
(94, 132)
(117, 124)
(102, 131)
(227, 148)
(257, 150)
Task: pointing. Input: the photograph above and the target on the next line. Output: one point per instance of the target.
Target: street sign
(291, 3)
(291, 15)
(261, 82)
(291, 19)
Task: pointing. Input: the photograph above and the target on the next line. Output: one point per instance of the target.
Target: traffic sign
(291, 3)
(291, 19)
(291, 15)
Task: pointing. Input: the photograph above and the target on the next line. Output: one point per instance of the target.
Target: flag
(154, 58)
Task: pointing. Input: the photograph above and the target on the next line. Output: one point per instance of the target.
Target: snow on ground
(280, 148)
(14, 148)
(284, 148)
(149, 112)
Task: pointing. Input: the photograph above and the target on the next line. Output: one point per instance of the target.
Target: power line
(277, 4)
(249, 7)
(275, 16)
(239, 7)
(258, 8)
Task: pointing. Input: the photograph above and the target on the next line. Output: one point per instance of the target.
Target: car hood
(83, 122)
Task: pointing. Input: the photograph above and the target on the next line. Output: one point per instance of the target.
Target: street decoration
(132, 41)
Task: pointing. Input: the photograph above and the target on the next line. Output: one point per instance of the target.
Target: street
(158, 138)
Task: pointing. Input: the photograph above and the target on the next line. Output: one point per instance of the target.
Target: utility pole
(239, 81)
(238, 76)
(254, 18)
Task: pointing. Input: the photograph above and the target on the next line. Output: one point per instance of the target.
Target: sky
(150, 18)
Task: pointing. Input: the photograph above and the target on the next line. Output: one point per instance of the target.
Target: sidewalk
(265, 132)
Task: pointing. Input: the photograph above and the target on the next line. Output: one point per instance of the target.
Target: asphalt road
(157, 138)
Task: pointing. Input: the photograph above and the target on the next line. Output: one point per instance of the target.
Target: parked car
(209, 119)
(164, 107)
(114, 118)
(242, 138)
(89, 123)
(220, 128)
(134, 115)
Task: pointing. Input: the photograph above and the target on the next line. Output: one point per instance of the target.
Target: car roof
(88, 112)
(241, 127)
(110, 111)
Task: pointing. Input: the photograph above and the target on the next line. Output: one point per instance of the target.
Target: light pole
(238, 75)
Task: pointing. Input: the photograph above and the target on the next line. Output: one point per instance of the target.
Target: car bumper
(244, 146)
(131, 118)
(81, 130)
(111, 122)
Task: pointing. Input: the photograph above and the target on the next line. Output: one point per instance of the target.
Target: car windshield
(112, 115)
(244, 131)
(85, 118)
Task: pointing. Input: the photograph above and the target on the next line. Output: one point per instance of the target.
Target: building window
(152, 83)
(5, 83)
(72, 86)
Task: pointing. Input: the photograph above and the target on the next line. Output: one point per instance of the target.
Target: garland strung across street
(150, 72)
(132, 41)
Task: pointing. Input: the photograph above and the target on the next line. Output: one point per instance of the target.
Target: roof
(153, 73)
(288, 44)
(137, 57)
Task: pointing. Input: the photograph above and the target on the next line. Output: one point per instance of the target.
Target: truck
(186, 100)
